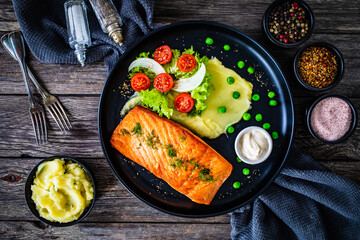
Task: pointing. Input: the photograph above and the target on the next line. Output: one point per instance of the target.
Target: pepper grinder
(108, 18)
(78, 28)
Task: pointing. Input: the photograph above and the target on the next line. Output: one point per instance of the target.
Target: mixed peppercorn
(317, 67)
(288, 22)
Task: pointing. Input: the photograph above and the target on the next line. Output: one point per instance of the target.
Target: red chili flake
(317, 67)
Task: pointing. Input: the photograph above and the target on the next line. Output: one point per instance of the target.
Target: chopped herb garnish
(124, 131)
(179, 163)
(66, 170)
(192, 162)
(152, 140)
(182, 137)
(204, 175)
(171, 150)
(137, 130)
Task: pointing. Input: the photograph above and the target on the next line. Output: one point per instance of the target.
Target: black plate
(268, 77)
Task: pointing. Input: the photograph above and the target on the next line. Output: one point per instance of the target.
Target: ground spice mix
(318, 67)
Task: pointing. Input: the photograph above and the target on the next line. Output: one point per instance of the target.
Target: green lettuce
(200, 94)
(146, 71)
(157, 101)
(171, 67)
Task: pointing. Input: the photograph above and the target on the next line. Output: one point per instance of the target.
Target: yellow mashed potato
(211, 123)
(61, 190)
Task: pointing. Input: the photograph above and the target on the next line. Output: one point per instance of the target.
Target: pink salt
(331, 118)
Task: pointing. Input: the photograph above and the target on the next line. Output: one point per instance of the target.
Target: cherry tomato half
(140, 82)
(186, 63)
(163, 82)
(163, 54)
(184, 102)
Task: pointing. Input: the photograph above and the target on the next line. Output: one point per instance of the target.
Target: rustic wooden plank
(330, 16)
(36, 230)
(73, 79)
(17, 139)
(113, 202)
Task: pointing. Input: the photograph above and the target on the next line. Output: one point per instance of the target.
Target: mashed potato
(61, 190)
(211, 123)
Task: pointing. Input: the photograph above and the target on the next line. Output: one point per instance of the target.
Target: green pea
(271, 94)
(258, 117)
(230, 80)
(251, 70)
(246, 116)
(255, 97)
(266, 126)
(238, 159)
(275, 135)
(209, 41)
(230, 129)
(273, 103)
(236, 184)
(241, 64)
(222, 109)
(226, 47)
(246, 171)
(236, 94)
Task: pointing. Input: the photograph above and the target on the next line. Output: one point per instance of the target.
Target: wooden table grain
(117, 214)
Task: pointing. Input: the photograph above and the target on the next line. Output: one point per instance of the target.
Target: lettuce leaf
(200, 94)
(157, 101)
(143, 55)
(146, 71)
(171, 67)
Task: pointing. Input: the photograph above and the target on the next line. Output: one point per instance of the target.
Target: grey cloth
(43, 25)
(304, 202)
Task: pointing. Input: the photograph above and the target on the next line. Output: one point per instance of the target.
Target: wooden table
(117, 214)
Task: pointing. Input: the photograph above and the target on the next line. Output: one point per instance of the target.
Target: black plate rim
(191, 22)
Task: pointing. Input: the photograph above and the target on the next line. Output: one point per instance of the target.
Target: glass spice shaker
(78, 28)
(108, 18)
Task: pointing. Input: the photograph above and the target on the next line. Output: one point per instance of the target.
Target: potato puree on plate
(211, 123)
(61, 190)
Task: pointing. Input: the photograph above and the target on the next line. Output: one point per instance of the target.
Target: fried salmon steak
(172, 153)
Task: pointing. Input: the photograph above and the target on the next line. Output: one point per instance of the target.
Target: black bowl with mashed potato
(60, 191)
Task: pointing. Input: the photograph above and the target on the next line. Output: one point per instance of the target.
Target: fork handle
(42, 91)
(26, 80)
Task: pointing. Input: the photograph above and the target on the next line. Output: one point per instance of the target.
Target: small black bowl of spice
(288, 23)
(331, 118)
(318, 66)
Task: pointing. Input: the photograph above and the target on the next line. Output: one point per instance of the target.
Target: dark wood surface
(117, 214)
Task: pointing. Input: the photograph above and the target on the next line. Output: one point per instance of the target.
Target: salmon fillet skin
(172, 153)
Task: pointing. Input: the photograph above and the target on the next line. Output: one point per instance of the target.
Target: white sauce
(253, 145)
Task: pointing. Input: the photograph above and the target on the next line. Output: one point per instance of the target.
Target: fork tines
(39, 124)
(59, 115)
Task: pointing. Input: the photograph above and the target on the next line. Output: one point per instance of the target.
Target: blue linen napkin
(304, 202)
(43, 25)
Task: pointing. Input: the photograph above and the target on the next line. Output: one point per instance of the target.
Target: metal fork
(52, 104)
(37, 114)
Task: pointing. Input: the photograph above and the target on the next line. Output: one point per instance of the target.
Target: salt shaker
(78, 28)
(108, 18)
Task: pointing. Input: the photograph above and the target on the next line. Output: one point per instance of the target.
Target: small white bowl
(268, 138)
